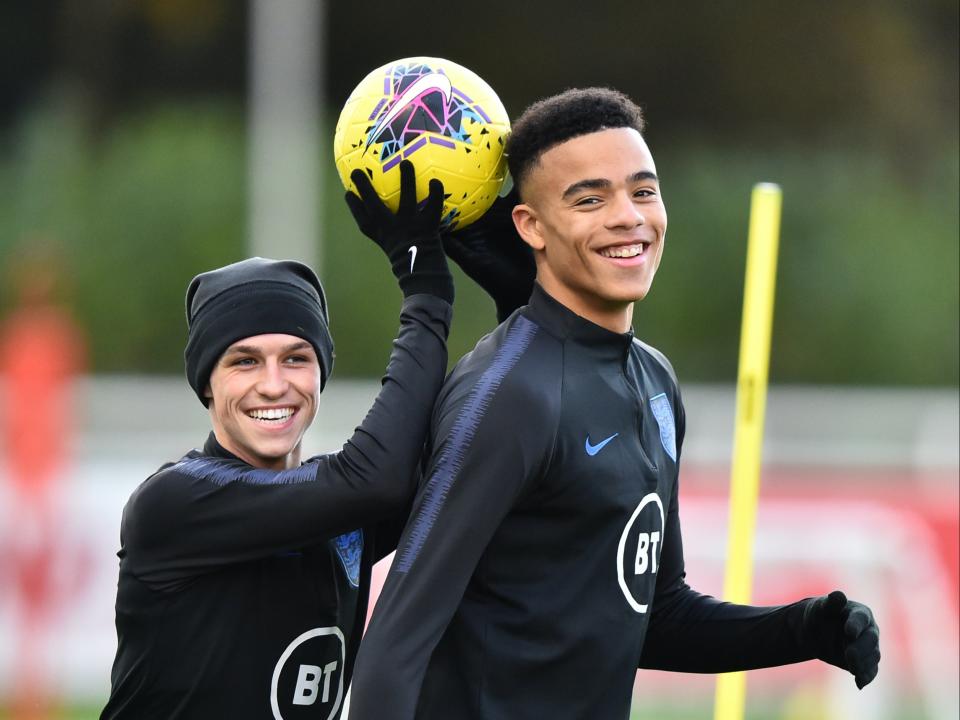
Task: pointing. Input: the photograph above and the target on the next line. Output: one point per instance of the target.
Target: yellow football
(442, 117)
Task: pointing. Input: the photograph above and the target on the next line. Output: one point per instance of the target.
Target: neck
(613, 316)
(280, 462)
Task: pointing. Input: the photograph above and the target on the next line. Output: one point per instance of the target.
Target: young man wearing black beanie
(244, 574)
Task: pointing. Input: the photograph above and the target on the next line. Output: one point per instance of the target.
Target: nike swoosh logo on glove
(413, 256)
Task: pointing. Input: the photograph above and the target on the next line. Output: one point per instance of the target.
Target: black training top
(243, 592)
(544, 545)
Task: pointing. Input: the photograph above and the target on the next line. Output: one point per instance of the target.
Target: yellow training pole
(751, 403)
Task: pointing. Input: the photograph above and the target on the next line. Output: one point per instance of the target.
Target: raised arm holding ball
(244, 573)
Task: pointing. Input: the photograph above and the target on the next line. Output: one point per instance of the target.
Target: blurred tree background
(123, 141)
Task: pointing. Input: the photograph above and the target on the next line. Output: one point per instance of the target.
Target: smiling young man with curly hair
(543, 561)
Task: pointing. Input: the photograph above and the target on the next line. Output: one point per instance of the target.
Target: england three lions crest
(350, 549)
(663, 412)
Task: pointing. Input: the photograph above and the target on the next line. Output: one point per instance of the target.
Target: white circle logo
(313, 683)
(648, 550)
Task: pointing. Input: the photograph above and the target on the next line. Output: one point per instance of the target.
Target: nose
(624, 212)
(271, 383)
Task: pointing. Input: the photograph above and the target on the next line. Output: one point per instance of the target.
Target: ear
(208, 392)
(525, 220)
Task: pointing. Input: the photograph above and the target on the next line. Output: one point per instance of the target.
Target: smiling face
(264, 392)
(595, 219)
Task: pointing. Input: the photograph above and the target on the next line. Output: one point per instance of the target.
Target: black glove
(411, 238)
(843, 633)
(493, 255)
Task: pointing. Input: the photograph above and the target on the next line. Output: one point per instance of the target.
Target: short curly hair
(559, 118)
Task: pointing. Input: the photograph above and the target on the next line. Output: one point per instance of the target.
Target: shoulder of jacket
(510, 363)
(658, 358)
(507, 354)
(159, 484)
(154, 504)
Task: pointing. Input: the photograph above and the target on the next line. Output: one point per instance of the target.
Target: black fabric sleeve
(692, 632)
(470, 487)
(386, 534)
(204, 512)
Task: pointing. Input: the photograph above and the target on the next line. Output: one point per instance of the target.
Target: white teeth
(271, 413)
(623, 251)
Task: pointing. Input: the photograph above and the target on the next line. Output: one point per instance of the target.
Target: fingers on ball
(408, 187)
(361, 181)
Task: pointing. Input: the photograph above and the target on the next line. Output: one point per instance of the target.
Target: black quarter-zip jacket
(542, 563)
(242, 592)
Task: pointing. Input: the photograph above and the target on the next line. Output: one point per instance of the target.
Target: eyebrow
(254, 350)
(600, 183)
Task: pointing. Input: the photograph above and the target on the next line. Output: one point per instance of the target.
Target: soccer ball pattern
(442, 117)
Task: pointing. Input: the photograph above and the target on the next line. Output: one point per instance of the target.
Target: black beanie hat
(253, 297)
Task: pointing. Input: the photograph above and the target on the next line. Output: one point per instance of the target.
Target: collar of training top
(213, 448)
(560, 321)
